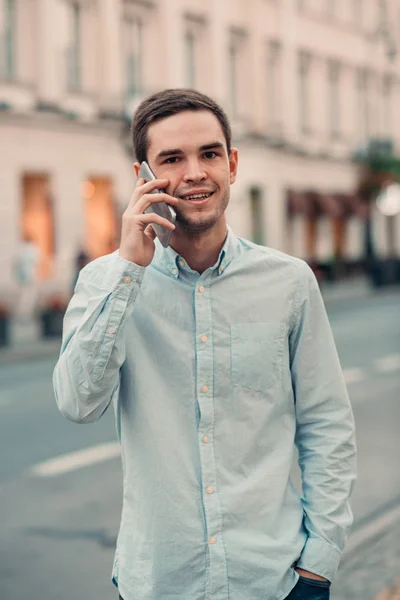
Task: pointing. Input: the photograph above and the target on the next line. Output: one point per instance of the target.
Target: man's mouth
(200, 198)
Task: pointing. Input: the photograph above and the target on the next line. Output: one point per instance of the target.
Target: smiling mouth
(197, 198)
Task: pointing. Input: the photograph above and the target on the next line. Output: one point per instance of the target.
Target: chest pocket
(257, 354)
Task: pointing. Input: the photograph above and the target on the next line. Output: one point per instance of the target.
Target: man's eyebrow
(211, 146)
(169, 152)
(178, 151)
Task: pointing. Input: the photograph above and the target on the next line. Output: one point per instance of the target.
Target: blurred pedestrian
(26, 266)
(219, 358)
(81, 260)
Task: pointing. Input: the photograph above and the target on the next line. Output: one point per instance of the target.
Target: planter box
(51, 323)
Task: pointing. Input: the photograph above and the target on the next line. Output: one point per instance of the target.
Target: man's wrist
(309, 574)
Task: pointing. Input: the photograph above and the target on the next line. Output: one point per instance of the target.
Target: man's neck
(200, 250)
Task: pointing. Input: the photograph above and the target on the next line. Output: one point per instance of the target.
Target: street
(59, 519)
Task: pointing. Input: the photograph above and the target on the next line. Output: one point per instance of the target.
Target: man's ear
(136, 167)
(233, 164)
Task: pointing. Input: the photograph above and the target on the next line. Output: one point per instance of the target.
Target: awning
(314, 204)
(332, 206)
(301, 203)
(353, 204)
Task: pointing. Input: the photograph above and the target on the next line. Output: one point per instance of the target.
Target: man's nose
(194, 171)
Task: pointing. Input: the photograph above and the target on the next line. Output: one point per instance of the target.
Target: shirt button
(111, 330)
(174, 271)
(221, 268)
(182, 263)
(127, 279)
(204, 388)
(206, 439)
(209, 490)
(212, 540)
(202, 289)
(204, 338)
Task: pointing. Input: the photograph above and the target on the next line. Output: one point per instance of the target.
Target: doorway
(100, 216)
(37, 222)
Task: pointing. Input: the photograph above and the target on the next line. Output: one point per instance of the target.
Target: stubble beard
(194, 224)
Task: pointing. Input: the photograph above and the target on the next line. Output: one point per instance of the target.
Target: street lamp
(388, 200)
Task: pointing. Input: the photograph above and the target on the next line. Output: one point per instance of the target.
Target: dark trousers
(310, 589)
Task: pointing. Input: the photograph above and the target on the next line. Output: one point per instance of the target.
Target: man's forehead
(186, 129)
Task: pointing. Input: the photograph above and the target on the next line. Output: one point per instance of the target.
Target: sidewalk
(372, 570)
(27, 345)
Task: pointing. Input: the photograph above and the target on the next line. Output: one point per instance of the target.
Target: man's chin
(195, 225)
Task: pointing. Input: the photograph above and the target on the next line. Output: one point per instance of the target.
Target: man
(218, 356)
(26, 267)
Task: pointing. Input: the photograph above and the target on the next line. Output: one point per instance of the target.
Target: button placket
(205, 379)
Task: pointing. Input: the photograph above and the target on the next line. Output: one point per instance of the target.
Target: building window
(133, 38)
(358, 11)
(387, 106)
(273, 91)
(362, 104)
(334, 98)
(237, 71)
(7, 40)
(304, 93)
(257, 216)
(331, 8)
(190, 52)
(233, 82)
(196, 49)
(74, 50)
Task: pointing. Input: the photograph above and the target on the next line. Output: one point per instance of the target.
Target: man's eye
(210, 154)
(171, 160)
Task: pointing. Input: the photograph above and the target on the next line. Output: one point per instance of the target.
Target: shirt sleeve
(86, 376)
(325, 436)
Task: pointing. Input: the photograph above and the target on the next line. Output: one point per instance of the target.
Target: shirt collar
(169, 260)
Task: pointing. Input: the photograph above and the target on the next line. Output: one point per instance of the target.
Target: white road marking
(354, 375)
(76, 460)
(388, 363)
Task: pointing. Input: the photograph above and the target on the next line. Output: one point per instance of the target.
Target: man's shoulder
(274, 257)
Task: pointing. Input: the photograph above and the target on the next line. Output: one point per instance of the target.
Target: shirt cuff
(320, 558)
(122, 272)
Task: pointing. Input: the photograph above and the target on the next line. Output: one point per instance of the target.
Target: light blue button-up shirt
(214, 378)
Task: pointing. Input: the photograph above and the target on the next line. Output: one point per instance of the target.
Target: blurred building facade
(306, 83)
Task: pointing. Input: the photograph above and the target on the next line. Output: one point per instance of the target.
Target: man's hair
(167, 103)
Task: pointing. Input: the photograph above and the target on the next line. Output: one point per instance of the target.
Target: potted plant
(52, 316)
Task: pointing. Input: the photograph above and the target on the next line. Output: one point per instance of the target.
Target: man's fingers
(144, 202)
(149, 218)
(146, 187)
(149, 231)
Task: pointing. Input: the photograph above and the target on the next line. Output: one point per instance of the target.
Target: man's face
(190, 150)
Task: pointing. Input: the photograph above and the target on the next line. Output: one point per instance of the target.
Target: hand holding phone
(138, 222)
(159, 208)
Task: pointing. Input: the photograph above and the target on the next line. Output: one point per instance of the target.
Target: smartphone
(160, 208)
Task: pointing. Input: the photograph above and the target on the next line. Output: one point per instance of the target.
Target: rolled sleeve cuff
(320, 558)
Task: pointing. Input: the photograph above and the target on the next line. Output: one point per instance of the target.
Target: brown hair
(167, 103)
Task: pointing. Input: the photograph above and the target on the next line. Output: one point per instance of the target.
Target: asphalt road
(58, 528)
